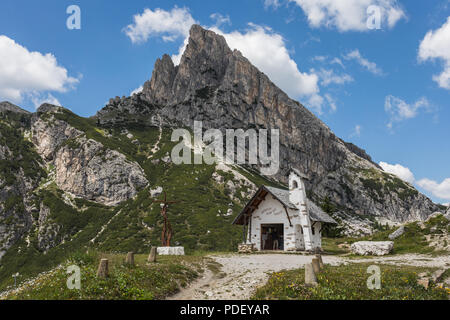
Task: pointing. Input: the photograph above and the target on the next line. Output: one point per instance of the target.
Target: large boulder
(400, 231)
(372, 248)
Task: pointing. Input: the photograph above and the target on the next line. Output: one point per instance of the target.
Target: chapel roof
(315, 212)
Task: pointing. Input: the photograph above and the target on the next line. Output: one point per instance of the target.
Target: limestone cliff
(84, 167)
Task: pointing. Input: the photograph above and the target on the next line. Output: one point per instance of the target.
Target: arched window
(294, 184)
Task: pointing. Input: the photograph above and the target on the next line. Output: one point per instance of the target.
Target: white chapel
(278, 219)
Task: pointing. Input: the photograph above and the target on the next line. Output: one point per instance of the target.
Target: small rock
(103, 269)
(152, 255)
(166, 159)
(436, 276)
(344, 245)
(130, 259)
(310, 276)
(156, 192)
(400, 231)
(425, 282)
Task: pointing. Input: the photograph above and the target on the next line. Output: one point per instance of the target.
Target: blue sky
(386, 90)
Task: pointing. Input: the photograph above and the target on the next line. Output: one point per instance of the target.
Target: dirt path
(240, 275)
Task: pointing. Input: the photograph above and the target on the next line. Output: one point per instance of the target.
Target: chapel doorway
(272, 237)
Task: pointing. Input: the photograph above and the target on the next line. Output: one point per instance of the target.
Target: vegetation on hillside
(142, 281)
(349, 282)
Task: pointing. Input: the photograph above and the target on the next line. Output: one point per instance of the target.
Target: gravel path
(241, 274)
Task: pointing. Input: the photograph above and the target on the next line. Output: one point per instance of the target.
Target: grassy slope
(349, 282)
(142, 281)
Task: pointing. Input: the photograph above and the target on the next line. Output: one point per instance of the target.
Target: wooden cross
(166, 234)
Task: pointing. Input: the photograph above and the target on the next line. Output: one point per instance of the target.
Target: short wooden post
(316, 265)
(319, 256)
(130, 259)
(152, 255)
(103, 269)
(310, 276)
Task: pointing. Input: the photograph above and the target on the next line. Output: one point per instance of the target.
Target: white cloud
(440, 190)
(331, 102)
(220, 19)
(370, 66)
(23, 72)
(399, 110)
(436, 45)
(169, 25)
(356, 131)
(349, 15)
(400, 171)
(176, 58)
(329, 77)
(137, 90)
(267, 50)
(319, 58)
(337, 61)
(38, 100)
(271, 3)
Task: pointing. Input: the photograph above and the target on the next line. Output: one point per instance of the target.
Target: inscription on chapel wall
(271, 211)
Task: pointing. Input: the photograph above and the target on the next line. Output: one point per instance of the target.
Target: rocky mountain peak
(7, 106)
(203, 64)
(47, 107)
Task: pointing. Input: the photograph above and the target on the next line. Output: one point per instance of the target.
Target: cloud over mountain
(349, 15)
(436, 46)
(24, 72)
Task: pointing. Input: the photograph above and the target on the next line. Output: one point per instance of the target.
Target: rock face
(221, 88)
(372, 248)
(7, 106)
(47, 230)
(400, 231)
(84, 167)
(20, 173)
(94, 173)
